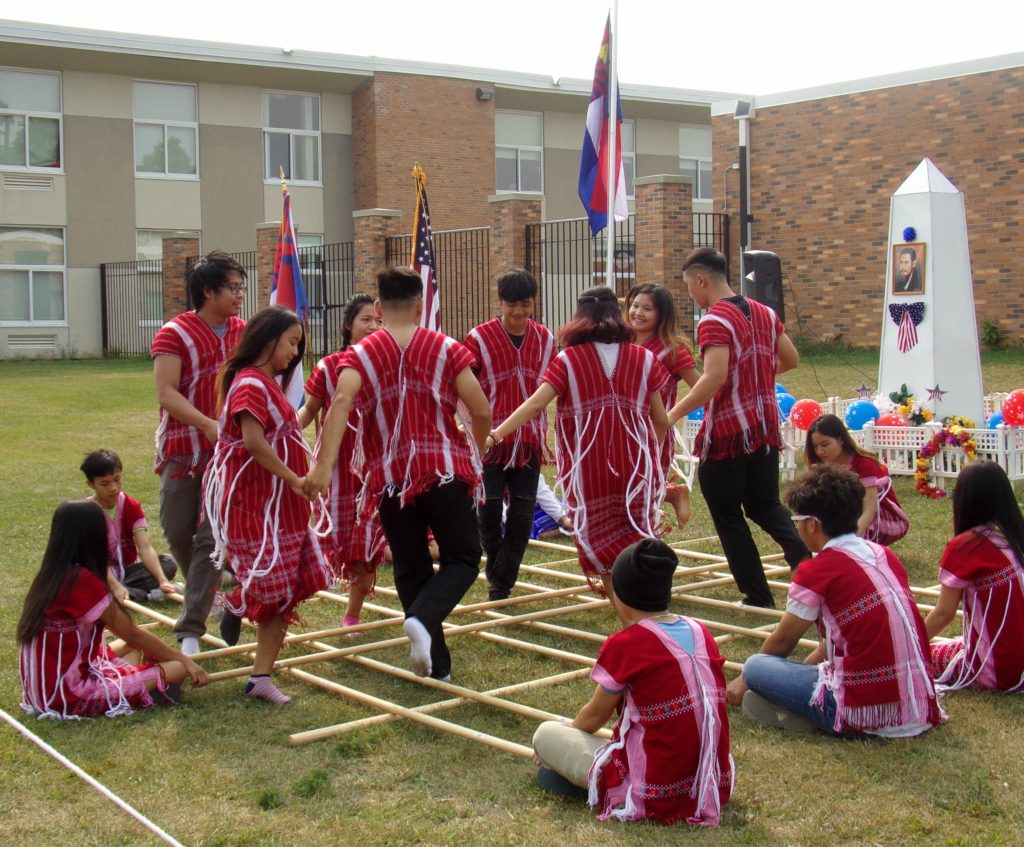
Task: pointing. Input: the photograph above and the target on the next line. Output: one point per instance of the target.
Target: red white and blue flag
(422, 259)
(287, 289)
(593, 187)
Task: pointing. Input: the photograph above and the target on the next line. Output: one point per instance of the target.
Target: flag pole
(613, 173)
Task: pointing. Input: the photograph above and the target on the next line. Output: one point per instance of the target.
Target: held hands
(298, 486)
(735, 690)
(317, 481)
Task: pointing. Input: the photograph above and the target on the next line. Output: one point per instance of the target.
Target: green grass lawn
(219, 770)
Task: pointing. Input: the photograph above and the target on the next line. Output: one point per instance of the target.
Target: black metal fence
(131, 302)
(328, 274)
(463, 275)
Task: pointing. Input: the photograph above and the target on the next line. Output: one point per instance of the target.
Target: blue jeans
(790, 685)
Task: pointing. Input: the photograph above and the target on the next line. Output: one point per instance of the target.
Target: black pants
(751, 482)
(139, 582)
(448, 511)
(505, 549)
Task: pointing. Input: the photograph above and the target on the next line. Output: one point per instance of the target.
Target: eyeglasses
(236, 289)
(799, 518)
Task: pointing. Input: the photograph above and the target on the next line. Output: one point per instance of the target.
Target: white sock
(419, 646)
(190, 645)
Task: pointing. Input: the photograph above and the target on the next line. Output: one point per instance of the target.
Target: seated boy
(135, 569)
(668, 759)
(870, 673)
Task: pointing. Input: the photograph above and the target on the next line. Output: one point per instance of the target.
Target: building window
(30, 117)
(166, 130)
(291, 136)
(699, 170)
(32, 275)
(519, 151)
(628, 144)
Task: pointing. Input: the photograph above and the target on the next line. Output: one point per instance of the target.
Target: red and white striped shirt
(408, 404)
(743, 417)
(508, 376)
(189, 338)
(682, 361)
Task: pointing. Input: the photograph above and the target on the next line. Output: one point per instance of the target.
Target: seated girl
(668, 759)
(882, 519)
(869, 674)
(66, 670)
(983, 566)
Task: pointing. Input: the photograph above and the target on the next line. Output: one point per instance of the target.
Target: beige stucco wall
(35, 207)
(85, 331)
(339, 200)
(168, 204)
(230, 105)
(231, 162)
(307, 206)
(97, 95)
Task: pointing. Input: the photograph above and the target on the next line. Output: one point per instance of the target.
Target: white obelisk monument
(929, 331)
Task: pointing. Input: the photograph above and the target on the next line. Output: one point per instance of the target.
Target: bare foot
(679, 497)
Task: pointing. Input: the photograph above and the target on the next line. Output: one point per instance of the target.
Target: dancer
(609, 423)
(652, 315)
(744, 346)
(882, 519)
(355, 547)
(421, 471)
(187, 352)
(983, 566)
(254, 499)
(512, 352)
(870, 673)
(668, 759)
(67, 673)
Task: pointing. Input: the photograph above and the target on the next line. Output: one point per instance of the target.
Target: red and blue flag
(287, 288)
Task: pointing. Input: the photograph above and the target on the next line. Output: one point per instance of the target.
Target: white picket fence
(896, 446)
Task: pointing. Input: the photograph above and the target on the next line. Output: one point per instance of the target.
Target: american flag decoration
(906, 316)
(422, 259)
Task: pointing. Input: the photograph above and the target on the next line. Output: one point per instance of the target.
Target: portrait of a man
(908, 268)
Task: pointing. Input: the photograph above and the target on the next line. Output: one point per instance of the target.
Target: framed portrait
(908, 268)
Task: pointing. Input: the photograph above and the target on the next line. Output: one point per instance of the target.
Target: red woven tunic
(260, 525)
(407, 405)
(891, 522)
(743, 417)
(608, 464)
(669, 756)
(990, 653)
(509, 376)
(351, 540)
(669, 393)
(121, 549)
(877, 664)
(66, 670)
(189, 338)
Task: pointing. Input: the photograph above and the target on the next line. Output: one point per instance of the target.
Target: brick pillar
(372, 226)
(510, 214)
(664, 237)
(266, 247)
(177, 250)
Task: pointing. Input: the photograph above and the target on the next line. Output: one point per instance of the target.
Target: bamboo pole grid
(709, 571)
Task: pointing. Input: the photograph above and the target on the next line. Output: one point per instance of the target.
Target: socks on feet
(419, 646)
(262, 688)
(190, 645)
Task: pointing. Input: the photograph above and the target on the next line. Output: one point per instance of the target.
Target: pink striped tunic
(891, 522)
(260, 525)
(189, 338)
(669, 393)
(508, 376)
(669, 758)
(991, 652)
(608, 464)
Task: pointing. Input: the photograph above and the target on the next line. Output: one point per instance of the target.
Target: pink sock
(263, 688)
(350, 620)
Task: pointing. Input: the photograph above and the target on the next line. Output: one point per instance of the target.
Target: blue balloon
(860, 413)
(785, 401)
(780, 388)
(696, 415)
(994, 420)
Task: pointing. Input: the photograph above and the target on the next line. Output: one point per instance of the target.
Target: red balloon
(892, 419)
(804, 413)
(1013, 408)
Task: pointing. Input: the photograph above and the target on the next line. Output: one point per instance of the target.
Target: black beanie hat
(642, 575)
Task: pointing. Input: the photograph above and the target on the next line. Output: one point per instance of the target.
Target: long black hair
(266, 327)
(78, 538)
(598, 318)
(983, 494)
(831, 426)
(352, 309)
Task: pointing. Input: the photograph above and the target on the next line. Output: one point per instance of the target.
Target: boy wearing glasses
(187, 352)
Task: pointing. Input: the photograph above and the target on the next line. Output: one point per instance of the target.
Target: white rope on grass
(102, 789)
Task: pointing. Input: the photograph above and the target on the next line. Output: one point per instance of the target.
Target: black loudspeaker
(763, 280)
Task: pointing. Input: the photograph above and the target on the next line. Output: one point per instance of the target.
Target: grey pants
(191, 544)
(566, 750)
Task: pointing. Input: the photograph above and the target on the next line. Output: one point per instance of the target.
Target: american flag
(422, 259)
(907, 316)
